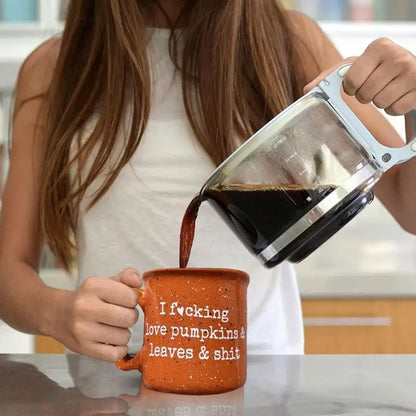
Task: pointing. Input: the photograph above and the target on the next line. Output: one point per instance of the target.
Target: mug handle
(385, 156)
(133, 362)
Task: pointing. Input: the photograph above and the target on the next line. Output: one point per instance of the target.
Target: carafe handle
(385, 156)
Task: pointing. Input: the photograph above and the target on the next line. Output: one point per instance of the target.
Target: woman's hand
(385, 74)
(95, 319)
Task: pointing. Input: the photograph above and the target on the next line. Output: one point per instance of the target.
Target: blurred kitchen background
(359, 289)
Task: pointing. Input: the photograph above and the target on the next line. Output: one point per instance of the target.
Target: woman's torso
(137, 222)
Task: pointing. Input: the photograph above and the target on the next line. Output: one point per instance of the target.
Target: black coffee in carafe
(258, 214)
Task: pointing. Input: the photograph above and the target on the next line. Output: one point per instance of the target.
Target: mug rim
(223, 272)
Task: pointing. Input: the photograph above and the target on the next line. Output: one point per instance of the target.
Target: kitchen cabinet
(360, 326)
(47, 345)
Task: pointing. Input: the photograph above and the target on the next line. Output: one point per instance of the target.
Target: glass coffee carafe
(302, 177)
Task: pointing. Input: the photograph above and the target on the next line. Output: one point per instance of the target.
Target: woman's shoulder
(301, 22)
(306, 29)
(312, 42)
(31, 91)
(46, 52)
(37, 69)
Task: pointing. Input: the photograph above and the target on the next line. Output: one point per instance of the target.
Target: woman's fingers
(392, 93)
(403, 105)
(117, 318)
(365, 91)
(111, 291)
(96, 317)
(106, 334)
(101, 341)
(115, 315)
(371, 70)
(106, 301)
(384, 74)
(105, 352)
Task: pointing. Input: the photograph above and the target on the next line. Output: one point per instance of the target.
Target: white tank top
(137, 222)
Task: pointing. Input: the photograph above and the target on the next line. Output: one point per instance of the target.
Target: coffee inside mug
(195, 325)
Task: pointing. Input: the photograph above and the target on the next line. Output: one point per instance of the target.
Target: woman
(119, 122)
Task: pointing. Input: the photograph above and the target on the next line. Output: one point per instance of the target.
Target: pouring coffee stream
(299, 179)
(259, 214)
(188, 231)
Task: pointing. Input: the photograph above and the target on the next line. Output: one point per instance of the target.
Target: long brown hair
(240, 67)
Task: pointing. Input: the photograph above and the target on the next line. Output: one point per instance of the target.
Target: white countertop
(308, 385)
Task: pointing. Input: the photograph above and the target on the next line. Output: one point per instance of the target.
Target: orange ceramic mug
(195, 324)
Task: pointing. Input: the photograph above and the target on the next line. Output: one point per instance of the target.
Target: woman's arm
(25, 302)
(396, 188)
(92, 320)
